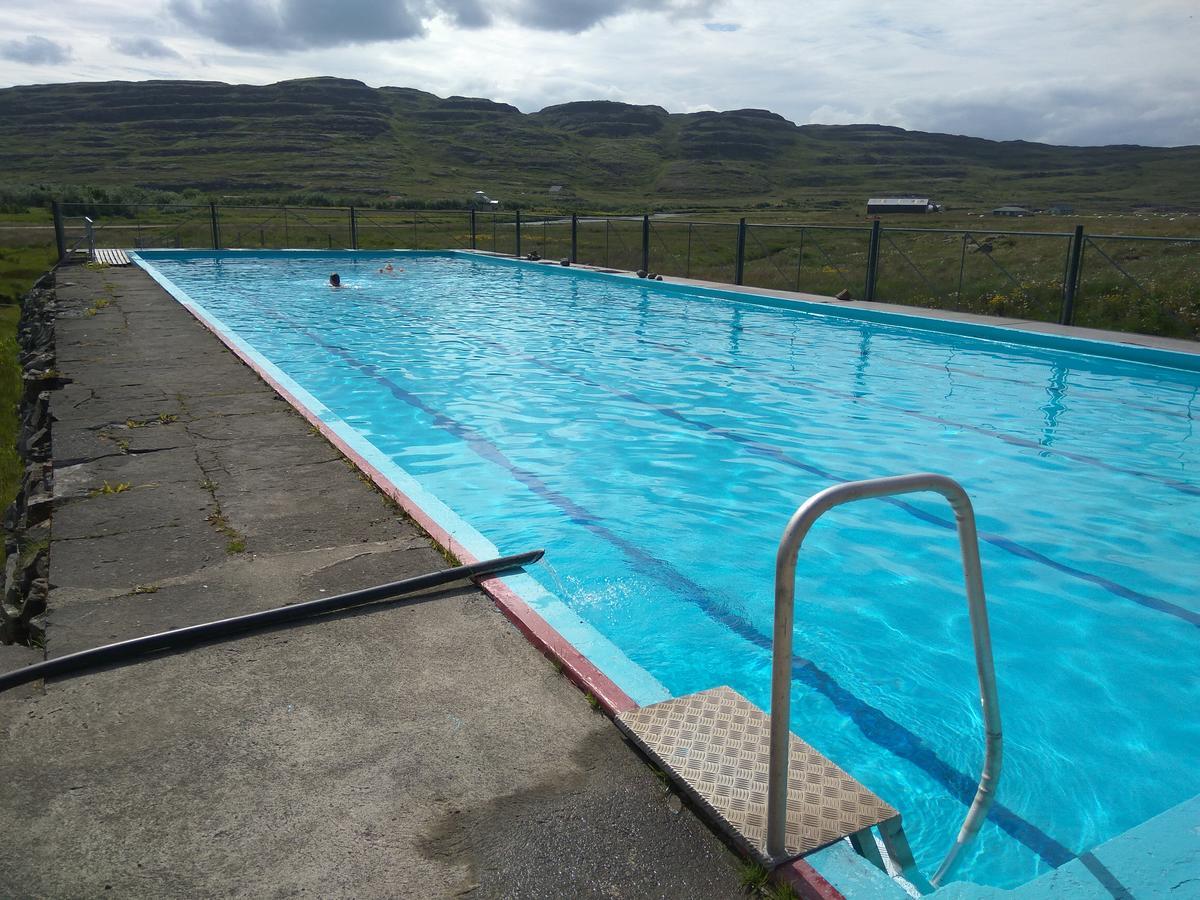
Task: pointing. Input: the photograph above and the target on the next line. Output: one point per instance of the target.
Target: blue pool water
(656, 442)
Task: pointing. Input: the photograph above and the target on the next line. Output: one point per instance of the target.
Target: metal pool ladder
(778, 796)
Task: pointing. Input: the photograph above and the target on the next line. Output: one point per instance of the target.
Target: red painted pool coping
(582, 672)
(807, 881)
(577, 667)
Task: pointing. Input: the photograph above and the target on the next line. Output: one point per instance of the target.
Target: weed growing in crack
(754, 877)
(98, 304)
(160, 419)
(237, 540)
(119, 488)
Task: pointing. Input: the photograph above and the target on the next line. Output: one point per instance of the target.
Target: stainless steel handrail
(781, 669)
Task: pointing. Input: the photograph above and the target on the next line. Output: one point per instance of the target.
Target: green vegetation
(107, 489)
(23, 263)
(754, 877)
(10, 395)
(327, 141)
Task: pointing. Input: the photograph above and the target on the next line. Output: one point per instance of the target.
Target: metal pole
(962, 265)
(60, 240)
(216, 230)
(688, 268)
(800, 260)
(646, 243)
(353, 229)
(474, 239)
(518, 250)
(872, 262)
(574, 238)
(91, 237)
(1071, 283)
(739, 263)
(781, 663)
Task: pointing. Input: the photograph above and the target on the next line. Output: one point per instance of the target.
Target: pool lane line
(580, 670)
(1184, 487)
(874, 724)
(1013, 440)
(1036, 358)
(1148, 601)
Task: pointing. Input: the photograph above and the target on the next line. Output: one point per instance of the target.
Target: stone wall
(27, 519)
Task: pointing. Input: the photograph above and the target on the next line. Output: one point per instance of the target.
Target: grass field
(20, 266)
(10, 395)
(961, 260)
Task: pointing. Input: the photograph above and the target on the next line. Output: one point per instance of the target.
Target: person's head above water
(335, 280)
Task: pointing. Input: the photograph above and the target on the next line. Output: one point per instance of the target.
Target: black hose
(124, 651)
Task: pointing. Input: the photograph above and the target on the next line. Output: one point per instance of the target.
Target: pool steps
(775, 795)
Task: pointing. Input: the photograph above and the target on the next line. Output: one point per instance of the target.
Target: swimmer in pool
(335, 280)
(389, 269)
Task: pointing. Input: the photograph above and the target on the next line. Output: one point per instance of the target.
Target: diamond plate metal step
(715, 744)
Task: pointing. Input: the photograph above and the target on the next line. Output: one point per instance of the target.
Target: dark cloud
(143, 47)
(36, 51)
(303, 24)
(300, 24)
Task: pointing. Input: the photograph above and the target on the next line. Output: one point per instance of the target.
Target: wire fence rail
(1122, 282)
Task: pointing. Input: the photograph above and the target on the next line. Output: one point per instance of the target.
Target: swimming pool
(656, 440)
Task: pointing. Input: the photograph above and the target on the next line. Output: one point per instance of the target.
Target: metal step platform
(716, 745)
(777, 796)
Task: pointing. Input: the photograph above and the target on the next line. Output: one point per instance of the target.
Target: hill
(348, 140)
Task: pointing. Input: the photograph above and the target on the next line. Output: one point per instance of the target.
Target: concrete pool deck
(414, 748)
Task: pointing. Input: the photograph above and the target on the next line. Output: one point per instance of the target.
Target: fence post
(216, 230)
(574, 238)
(1071, 284)
(353, 229)
(518, 251)
(60, 240)
(646, 243)
(473, 231)
(872, 262)
(739, 263)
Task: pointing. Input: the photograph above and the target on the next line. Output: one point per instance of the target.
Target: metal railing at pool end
(781, 669)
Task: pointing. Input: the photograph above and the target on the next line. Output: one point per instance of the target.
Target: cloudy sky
(1071, 72)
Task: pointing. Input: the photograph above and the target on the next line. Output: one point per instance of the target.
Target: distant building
(910, 205)
(1013, 211)
(1061, 209)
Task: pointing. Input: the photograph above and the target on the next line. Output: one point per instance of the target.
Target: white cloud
(1072, 72)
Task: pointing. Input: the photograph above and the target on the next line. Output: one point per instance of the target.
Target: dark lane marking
(1014, 440)
(874, 724)
(767, 451)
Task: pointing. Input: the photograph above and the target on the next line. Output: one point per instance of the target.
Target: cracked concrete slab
(419, 748)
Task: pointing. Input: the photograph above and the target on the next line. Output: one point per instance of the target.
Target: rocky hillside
(344, 138)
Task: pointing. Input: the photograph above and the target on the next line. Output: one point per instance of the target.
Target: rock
(843, 294)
